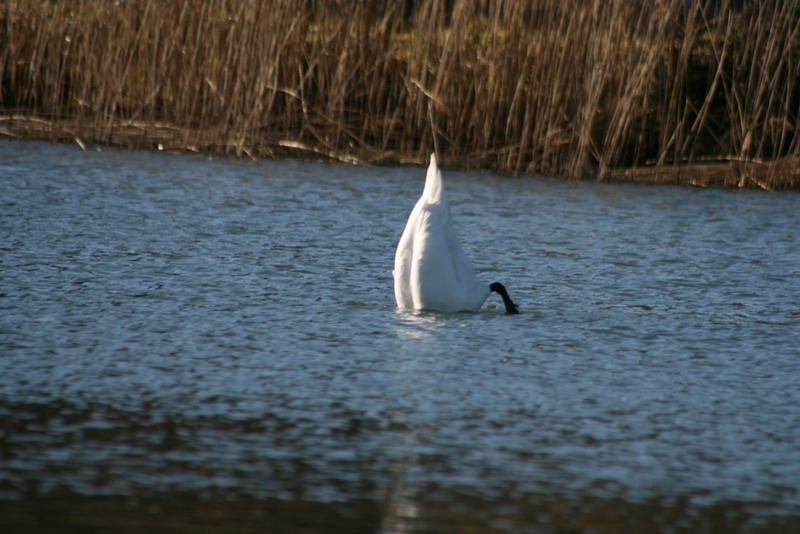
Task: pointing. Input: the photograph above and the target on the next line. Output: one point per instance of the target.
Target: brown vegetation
(674, 90)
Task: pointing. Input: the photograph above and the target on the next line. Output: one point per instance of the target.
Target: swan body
(431, 270)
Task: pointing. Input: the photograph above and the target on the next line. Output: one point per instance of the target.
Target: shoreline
(782, 174)
(676, 92)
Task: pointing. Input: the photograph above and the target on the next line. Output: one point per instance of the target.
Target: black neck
(497, 287)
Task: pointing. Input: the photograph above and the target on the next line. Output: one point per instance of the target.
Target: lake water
(189, 343)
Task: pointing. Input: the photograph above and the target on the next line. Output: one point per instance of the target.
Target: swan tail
(434, 190)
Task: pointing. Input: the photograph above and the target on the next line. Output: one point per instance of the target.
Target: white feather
(431, 271)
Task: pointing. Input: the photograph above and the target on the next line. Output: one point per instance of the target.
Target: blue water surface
(174, 323)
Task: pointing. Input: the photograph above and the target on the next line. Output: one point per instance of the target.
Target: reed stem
(594, 90)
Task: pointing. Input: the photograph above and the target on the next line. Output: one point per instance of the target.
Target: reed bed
(698, 91)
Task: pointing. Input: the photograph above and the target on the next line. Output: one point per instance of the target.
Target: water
(217, 340)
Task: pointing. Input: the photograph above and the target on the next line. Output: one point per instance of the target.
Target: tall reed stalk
(564, 87)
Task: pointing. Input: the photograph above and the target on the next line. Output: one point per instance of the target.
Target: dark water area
(195, 345)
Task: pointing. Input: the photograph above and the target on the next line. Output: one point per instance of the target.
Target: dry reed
(704, 92)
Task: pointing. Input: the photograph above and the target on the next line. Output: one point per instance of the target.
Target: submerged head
(497, 287)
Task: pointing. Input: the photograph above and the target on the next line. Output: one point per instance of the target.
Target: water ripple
(174, 322)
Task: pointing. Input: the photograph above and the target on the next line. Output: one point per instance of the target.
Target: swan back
(431, 270)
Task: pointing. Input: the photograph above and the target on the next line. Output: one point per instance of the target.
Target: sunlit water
(174, 324)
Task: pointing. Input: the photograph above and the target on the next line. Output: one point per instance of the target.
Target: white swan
(431, 271)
